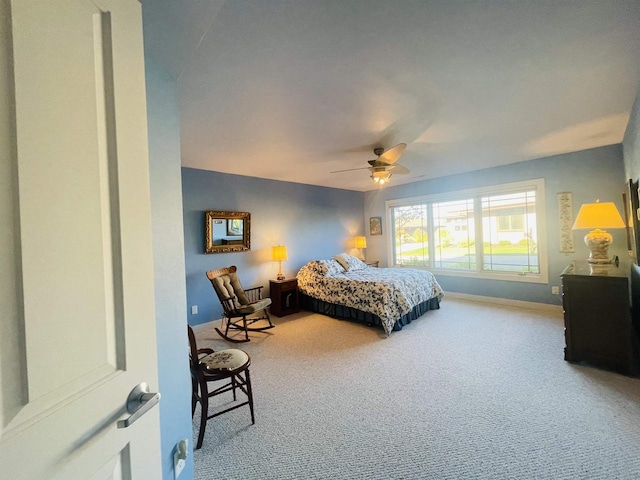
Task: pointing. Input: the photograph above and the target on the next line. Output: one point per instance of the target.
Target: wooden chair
(238, 304)
(224, 365)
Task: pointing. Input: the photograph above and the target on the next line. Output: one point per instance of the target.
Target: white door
(77, 331)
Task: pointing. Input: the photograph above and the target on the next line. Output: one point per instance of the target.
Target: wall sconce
(278, 254)
(598, 216)
(360, 243)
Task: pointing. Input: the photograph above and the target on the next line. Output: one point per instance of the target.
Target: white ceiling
(292, 90)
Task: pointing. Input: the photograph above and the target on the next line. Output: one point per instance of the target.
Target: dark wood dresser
(598, 318)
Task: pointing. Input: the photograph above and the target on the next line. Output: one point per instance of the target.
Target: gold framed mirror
(227, 232)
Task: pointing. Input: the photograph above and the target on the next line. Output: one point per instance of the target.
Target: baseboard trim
(507, 302)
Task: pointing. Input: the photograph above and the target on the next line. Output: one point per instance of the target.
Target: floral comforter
(388, 293)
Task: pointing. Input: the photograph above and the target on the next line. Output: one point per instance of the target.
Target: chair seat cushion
(254, 307)
(230, 359)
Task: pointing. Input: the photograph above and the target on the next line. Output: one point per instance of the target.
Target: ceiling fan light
(381, 177)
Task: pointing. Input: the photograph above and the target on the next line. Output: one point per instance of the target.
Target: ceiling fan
(382, 167)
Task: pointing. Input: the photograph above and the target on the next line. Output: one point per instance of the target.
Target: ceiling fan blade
(399, 169)
(393, 154)
(384, 162)
(378, 163)
(349, 170)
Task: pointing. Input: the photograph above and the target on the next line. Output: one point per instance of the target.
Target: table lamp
(360, 243)
(598, 216)
(279, 253)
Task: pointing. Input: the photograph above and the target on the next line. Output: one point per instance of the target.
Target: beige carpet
(470, 391)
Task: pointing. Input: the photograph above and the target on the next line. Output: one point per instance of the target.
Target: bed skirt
(348, 313)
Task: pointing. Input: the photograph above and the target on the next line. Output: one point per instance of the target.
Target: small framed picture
(375, 226)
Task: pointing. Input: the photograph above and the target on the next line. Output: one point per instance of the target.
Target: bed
(344, 287)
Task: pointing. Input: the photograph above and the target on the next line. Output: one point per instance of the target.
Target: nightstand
(284, 297)
(373, 263)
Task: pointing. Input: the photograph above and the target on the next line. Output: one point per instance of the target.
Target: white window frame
(505, 188)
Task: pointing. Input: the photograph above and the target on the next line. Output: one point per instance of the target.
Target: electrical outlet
(194, 309)
(180, 457)
(555, 290)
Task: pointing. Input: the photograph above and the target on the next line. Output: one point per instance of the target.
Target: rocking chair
(238, 304)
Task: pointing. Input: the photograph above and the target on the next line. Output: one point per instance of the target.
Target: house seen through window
(489, 232)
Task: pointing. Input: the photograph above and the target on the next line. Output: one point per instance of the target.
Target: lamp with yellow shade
(598, 216)
(360, 243)
(279, 253)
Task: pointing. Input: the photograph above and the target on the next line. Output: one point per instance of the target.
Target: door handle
(139, 402)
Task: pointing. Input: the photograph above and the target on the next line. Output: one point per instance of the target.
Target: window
(508, 223)
(454, 248)
(491, 232)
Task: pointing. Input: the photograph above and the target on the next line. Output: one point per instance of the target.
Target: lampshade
(360, 242)
(598, 215)
(279, 253)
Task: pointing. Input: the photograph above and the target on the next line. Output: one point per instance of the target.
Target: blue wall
(589, 175)
(168, 257)
(313, 222)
